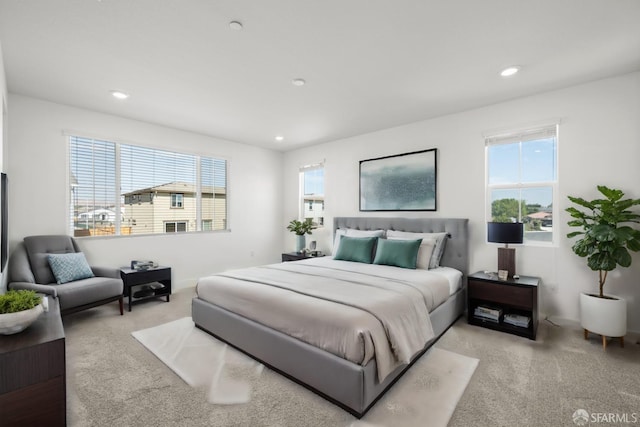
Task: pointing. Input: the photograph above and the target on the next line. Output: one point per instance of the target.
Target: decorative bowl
(12, 323)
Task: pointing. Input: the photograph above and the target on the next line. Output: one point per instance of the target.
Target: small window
(312, 193)
(177, 200)
(522, 181)
(175, 226)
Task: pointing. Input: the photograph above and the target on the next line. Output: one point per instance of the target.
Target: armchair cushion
(69, 267)
(86, 291)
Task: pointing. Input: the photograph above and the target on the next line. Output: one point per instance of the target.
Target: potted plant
(18, 310)
(606, 239)
(301, 228)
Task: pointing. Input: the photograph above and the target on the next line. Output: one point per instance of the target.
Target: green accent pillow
(356, 249)
(400, 253)
(69, 267)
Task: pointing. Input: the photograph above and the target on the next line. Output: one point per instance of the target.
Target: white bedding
(353, 310)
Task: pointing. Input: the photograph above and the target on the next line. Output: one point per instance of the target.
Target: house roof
(177, 187)
(540, 215)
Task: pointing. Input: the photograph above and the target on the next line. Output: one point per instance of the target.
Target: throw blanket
(352, 310)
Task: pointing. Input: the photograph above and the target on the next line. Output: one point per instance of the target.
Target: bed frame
(351, 386)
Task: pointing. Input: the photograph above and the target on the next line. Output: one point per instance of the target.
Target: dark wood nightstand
(297, 256)
(140, 285)
(511, 296)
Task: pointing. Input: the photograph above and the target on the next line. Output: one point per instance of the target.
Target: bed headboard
(456, 252)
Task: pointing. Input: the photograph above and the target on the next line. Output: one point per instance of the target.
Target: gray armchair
(29, 269)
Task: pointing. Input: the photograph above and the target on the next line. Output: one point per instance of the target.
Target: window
(312, 193)
(173, 227)
(176, 200)
(522, 180)
(120, 189)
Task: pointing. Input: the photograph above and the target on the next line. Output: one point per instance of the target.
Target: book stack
(517, 320)
(487, 313)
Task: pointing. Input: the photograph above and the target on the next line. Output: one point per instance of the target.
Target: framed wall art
(403, 182)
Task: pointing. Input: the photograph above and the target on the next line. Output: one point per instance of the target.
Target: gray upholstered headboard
(456, 253)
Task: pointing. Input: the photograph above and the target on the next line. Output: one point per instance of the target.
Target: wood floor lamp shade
(506, 232)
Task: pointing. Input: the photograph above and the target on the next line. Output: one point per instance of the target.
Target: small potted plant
(606, 239)
(18, 310)
(301, 228)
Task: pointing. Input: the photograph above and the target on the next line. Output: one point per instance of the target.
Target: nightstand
(140, 285)
(296, 256)
(508, 297)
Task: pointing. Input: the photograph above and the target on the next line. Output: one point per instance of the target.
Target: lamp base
(507, 260)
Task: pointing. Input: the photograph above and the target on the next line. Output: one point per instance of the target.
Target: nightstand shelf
(512, 296)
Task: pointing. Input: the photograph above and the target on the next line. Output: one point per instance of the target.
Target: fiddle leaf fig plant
(606, 239)
(301, 228)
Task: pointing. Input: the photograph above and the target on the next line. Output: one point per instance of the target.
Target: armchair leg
(121, 302)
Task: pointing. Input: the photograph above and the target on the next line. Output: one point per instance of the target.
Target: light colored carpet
(429, 391)
(113, 380)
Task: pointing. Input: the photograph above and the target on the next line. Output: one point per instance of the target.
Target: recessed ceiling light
(298, 82)
(510, 71)
(279, 138)
(235, 25)
(119, 95)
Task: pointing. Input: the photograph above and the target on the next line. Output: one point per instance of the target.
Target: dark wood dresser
(32, 373)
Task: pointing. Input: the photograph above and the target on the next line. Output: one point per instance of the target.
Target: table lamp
(506, 232)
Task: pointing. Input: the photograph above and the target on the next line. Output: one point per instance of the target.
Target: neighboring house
(314, 208)
(171, 207)
(97, 215)
(545, 218)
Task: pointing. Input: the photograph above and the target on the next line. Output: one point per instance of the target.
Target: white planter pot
(603, 316)
(300, 242)
(12, 323)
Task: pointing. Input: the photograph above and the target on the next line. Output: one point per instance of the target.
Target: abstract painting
(403, 182)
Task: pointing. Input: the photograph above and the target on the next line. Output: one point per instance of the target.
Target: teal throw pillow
(356, 249)
(69, 267)
(399, 253)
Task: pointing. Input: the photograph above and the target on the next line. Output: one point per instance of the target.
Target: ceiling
(368, 64)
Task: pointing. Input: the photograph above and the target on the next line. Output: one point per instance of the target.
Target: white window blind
(156, 191)
(93, 186)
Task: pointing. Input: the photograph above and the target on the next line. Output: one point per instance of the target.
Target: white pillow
(438, 250)
(424, 252)
(352, 232)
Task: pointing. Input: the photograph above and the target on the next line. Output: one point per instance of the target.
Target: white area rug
(425, 396)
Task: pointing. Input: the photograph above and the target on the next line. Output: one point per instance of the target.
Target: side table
(141, 285)
(512, 296)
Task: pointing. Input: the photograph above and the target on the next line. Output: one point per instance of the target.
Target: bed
(352, 377)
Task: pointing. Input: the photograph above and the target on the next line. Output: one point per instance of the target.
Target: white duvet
(353, 310)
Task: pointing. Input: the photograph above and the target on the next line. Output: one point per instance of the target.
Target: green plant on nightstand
(606, 239)
(301, 228)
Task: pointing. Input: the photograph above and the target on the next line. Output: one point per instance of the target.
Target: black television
(4, 224)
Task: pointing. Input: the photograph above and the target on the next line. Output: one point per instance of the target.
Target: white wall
(39, 197)
(599, 143)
